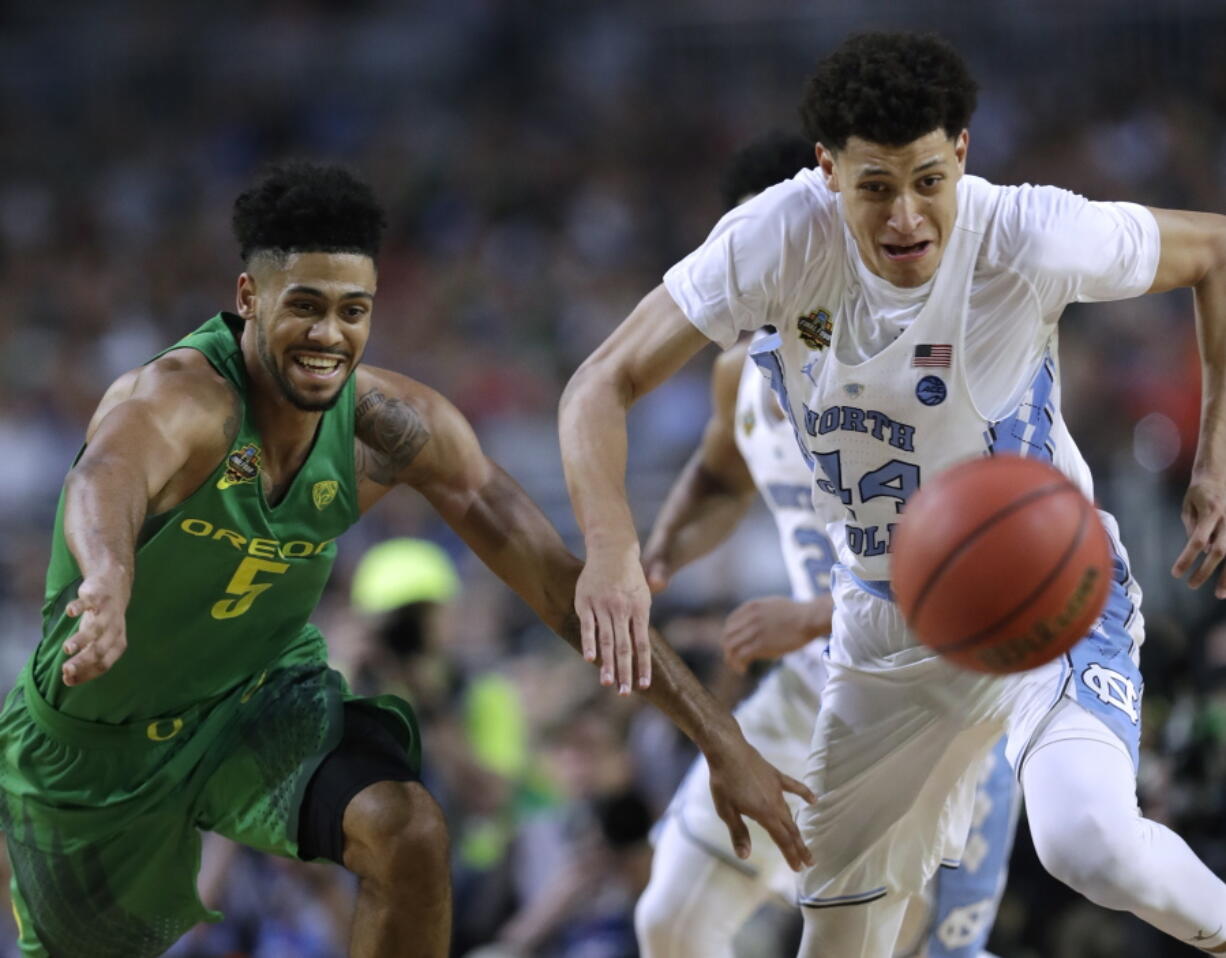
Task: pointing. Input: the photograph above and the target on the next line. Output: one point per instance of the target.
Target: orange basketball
(1000, 564)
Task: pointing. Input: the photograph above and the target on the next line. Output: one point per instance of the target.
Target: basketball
(1001, 564)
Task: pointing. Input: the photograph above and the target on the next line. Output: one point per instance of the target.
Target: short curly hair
(303, 207)
(888, 88)
(771, 158)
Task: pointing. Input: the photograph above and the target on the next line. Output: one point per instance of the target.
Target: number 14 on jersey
(895, 480)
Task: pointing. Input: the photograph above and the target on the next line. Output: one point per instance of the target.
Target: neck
(286, 432)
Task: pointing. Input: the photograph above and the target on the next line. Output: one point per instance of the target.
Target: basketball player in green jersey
(178, 685)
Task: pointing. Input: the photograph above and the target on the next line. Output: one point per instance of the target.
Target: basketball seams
(977, 638)
(968, 540)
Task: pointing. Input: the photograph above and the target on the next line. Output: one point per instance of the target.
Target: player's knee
(393, 829)
(1092, 855)
(658, 925)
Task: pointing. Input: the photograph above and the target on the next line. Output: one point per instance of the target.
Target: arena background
(544, 163)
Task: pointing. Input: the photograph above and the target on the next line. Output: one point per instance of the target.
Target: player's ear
(825, 163)
(960, 145)
(245, 296)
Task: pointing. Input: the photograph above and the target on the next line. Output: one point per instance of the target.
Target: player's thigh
(129, 894)
(296, 809)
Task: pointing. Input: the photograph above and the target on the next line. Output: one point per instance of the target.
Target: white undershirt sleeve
(740, 278)
(1076, 250)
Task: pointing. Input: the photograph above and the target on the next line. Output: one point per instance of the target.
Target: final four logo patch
(931, 390)
(242, 465)
(815, 329)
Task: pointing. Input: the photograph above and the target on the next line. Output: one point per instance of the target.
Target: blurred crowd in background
(543, 163)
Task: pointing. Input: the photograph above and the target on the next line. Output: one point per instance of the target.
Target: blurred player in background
(700, 893)
(888, 366)
(178, 685)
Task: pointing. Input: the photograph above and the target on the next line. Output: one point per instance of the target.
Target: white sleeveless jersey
(768, 445)
(886, 387)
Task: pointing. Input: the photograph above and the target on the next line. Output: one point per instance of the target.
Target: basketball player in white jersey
(915, 312)
(700, 894)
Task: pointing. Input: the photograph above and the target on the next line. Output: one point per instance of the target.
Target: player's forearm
(1211, 332)
(523, 549)
(676, 692)
(592, 429)
(699, 514)
(105, 502)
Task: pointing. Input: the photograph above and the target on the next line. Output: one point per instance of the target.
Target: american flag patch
(933, 354)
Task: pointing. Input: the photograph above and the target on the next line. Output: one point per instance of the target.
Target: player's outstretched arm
(1194, 254)
(507, 531)
(713, 492)
(156, 435)
(612, 598)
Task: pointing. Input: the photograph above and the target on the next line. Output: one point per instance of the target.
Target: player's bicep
(1193, 244)
(649, 346)
(495, 517)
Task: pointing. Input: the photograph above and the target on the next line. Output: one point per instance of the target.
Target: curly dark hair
(888, 88)
(764, 162)
(302, 207)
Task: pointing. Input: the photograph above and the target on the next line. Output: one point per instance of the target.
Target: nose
(905, 215)
(326, 331)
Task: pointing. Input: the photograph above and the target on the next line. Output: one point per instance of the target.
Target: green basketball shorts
(103, 821)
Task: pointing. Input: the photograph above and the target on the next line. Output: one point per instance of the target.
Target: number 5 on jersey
(243, 585)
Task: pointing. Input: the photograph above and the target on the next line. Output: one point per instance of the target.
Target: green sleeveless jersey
(224, 582)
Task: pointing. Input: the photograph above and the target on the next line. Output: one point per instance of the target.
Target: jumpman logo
(807, 369)
(1201, 936)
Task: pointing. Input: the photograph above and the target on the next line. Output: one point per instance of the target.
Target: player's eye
(355, 312)
(930, 182)
(302, 306)
(873, 187)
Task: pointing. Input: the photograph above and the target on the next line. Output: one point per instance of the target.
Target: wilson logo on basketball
(1002, 657)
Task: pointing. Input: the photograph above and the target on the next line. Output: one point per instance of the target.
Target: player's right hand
(612, 601)
(102, 636)
(1204, 518)
(744, 783)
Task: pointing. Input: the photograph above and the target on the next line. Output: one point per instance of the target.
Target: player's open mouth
(903, 254)
(319, 367)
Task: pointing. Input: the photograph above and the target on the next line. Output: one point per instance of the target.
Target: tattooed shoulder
(390, 435)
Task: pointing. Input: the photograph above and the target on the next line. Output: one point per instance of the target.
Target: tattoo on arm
(390, 434)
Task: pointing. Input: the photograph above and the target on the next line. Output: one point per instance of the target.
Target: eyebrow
(879, 171)
(312, 291)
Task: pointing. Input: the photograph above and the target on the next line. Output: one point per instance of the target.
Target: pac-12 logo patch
(931, 390)
(242, 465)
(323, 492)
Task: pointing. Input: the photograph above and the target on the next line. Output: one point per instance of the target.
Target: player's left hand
(770, 627)
(102, 636)
(1204, 518)
(744, 783)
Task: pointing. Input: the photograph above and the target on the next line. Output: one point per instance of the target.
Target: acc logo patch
(242, 465)
(323, 492)
(1112, 689)
(748, 421)
(815, 329)
(931, 390)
